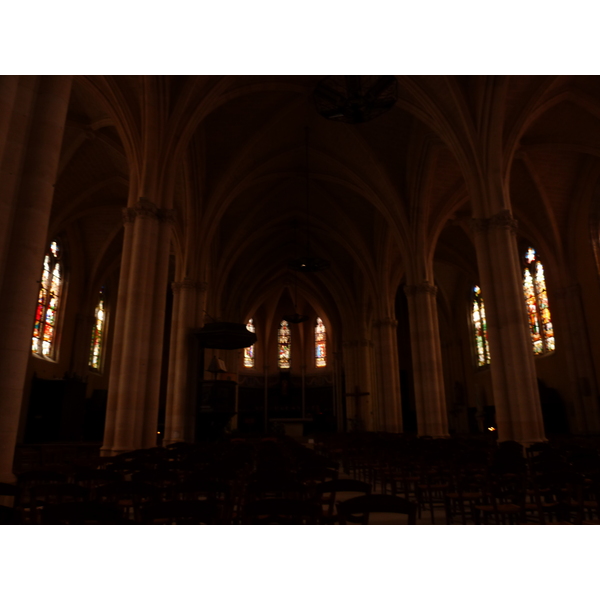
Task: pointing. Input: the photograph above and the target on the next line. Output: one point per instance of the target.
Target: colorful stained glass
(249, 352)
(320, 344)
(480, 326)
(538, 310)
(284, 339)
(46, 312)
(98, 334)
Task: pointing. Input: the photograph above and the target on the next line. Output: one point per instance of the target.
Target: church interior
(385, 280)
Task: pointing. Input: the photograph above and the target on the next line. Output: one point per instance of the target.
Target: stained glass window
(46, 313)
(536, 298)
(320, 344)
(249, 352)
(98, 333)
(284, 339)
(480, 326)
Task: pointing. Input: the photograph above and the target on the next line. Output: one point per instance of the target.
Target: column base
(8, 478)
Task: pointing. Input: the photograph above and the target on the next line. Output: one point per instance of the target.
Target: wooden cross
(357, 423)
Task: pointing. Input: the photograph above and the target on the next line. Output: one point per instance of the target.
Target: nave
(357, 478)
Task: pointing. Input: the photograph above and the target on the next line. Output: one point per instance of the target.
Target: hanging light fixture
(221, 335)
(355, 98)
(308, 263)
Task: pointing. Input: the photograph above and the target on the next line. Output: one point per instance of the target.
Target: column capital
(421, 288)
(360, 343)
(189, 284)
(501, 220)
(386, 322)
(146, 209)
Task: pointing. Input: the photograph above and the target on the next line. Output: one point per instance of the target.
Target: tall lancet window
(320, 344)
(480, 327)
(249, 352)
(284, 343)
(43, 341)
(97, 345)
(536, 298)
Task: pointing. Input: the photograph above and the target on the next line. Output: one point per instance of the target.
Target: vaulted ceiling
(239, 161)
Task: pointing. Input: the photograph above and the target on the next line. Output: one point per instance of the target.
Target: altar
(292, 427)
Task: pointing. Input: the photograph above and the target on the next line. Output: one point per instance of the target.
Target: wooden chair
(129, 496)
(46, 494)
(9, 516)
(83, 513)
(92, 479)
(281, 511)
(358, 510)
(8, 494)
(180, 512)
(326, 493)
(218, 492)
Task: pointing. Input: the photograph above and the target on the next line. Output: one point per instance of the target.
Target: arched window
(320, 344)
(97, 345)
(249, 352)
(284, 339)
(480, 327)
(536, 298)
(49, 297)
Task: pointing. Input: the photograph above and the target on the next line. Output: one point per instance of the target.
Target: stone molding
(421, 288)
(386, 322)
(145, 209)
(501, 220)
(362, 343)
(189, 284)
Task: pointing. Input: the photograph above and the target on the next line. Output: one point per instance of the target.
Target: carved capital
(361, 343)
(188, 284)
(419, 289)
(386, 322)
(166, 215)
(128, 216)
(145, 209)
(501, 220)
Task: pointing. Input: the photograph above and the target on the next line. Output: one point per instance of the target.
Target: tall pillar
(357, 366)
(135, 380)
(430, 398)
(36, 133)
(182, 368)
(575, 336)
(514, 382)
(388, 375)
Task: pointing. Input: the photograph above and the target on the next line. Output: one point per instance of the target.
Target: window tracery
(43, 341)
(284, 339)
(249, 352)
(480, 328)
(320, 344)
(538, 309)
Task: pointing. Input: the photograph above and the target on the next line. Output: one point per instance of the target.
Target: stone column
(182, 369)
(575, 336)
(357, 368)
(117, 346)
(430, 398)
(514, 381)
(388, 375)
(135, 381)
(36, 133)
